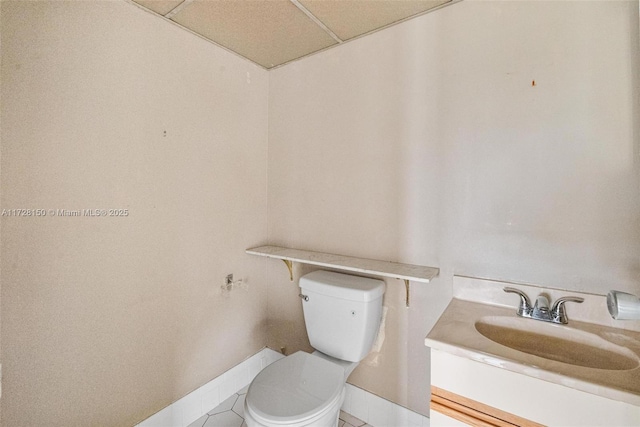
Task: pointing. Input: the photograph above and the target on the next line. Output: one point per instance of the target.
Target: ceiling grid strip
(316, 20)
(173, 12)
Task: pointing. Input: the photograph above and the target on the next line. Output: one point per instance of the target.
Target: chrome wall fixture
(623, 306)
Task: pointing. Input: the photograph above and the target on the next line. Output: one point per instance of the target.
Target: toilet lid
(295, 388)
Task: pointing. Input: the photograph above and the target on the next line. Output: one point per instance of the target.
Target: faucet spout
(542, 303)
(541, 308)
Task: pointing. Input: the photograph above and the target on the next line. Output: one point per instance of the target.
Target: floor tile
(224, 419)
(340, 423)
(244, 390)
(199, 422)
(238, 408)
(351, 420)
(224, 406)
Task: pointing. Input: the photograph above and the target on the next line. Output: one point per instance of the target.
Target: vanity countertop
(456, 333)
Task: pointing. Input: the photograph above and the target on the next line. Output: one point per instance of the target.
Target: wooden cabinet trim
(474, 413)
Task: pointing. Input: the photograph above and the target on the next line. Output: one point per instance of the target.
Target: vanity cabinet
(468, 392)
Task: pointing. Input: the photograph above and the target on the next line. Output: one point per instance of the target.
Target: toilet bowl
(342, 316)
(299, 390)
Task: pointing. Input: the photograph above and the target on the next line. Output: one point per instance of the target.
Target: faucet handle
(559, 312)
(524, 309)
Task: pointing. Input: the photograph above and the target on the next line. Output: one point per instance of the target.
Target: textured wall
(107, 320)
(425, 143)
(490, 139)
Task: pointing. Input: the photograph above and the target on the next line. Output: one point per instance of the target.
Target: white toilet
(342, 314)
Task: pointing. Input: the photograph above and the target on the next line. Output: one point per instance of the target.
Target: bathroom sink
(588, 354)
(556, 342)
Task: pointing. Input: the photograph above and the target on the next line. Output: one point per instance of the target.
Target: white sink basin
(557, 342)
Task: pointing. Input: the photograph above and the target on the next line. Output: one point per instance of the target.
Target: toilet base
(329, 417)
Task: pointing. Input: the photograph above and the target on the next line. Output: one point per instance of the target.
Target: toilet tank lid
(344, 286)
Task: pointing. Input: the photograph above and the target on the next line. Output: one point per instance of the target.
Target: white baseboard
(379, 412)
(366, 406)
(197, 403)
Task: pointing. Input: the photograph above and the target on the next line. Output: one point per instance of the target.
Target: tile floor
(230, 413)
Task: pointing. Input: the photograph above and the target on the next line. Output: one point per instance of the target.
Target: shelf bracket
(290, 267)
(407, 289)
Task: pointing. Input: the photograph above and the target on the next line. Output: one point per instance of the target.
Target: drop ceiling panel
(161, 7)
(267, 32)
(351, 18)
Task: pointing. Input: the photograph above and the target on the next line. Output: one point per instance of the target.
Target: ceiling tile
(267, 32)
(351, 18)
(159, 6)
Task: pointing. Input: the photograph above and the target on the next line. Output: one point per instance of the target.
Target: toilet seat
(295, 389)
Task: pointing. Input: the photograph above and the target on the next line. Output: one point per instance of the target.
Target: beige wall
(0, 223)
(107, 320)
(425, 143)
(428, 143)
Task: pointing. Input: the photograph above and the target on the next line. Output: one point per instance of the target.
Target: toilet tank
(342, 313)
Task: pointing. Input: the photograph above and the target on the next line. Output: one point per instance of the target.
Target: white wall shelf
(406, 272)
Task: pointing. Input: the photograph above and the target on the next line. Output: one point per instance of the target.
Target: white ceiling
(274, 32)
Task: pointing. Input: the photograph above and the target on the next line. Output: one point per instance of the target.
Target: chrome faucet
(559, 312)
(525, 308)
(541, 311)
